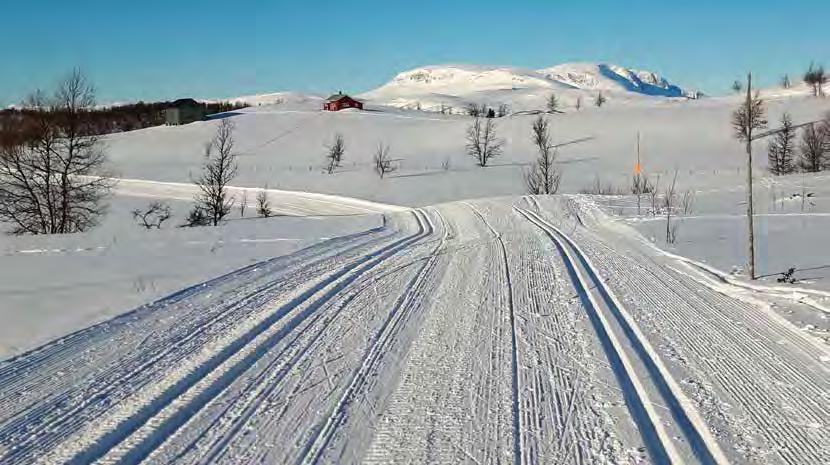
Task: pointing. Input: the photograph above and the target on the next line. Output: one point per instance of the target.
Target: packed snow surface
(516, 330)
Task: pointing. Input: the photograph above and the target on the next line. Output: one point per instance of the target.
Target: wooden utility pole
(750, 216)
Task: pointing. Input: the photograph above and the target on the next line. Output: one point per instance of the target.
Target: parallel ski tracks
(738, 359)
(90, 446)
(53, 415)
(604, 309)
(416, 287)
(516, 388)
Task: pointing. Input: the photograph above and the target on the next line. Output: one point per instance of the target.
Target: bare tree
(600, 100)
(553, 104)
(243, 203)
(815, 147)
(785, 81)
(263, 205)
(751, 116)
(781, 149)
(544, 176)
(335, 152)
(669, 200)
(383, 164)
(219, 169)
(474, 110)
(737, 87)
(687, 202)
(503, 110)
(578, 104)
(53, 177)
(816, 78)
(153, 216)
(482, 142)
(654, 197)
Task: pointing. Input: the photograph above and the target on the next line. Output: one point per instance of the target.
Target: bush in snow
(781, 148)
(219, 169)
(263, 205)
(153, 215)
(383, 164)
(197, 216)
(482, 142)
(600, 100)
(553, 104)
(335, 153)
(816, 78)
(815, 147)
(544, 175)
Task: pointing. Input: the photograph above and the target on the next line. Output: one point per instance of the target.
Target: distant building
(184, 111)
(340, 101)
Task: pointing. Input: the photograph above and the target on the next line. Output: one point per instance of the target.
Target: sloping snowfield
(516, 330)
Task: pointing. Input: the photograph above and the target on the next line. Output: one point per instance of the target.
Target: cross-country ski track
(517, 330)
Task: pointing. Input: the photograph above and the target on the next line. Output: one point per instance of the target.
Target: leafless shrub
(243, 203)
(748, 117)
(815, 147)
(544, 175)
(197, 216)
(503, 110)
(482, 142)
(219, 169)
(816, 78)
(640, 184)
(781, 148)
(263, 205)
(445, 165)
(335, 153)
(601, 188)
(654, 197)
(669, 200)
(553, 104)
(687, 202)
(383, 164)
(52, 165)
(153, 216)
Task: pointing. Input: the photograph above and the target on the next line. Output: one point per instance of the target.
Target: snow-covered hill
(456, 86)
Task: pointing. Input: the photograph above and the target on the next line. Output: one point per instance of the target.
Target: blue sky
(161, 49)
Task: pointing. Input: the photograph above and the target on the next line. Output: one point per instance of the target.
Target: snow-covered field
(472, 332)
(436, 315)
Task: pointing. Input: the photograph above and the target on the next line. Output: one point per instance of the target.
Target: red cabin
(340, 101)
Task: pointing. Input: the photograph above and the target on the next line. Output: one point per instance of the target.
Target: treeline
(108, 120)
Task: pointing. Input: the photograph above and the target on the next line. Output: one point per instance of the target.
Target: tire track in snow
(660, 445)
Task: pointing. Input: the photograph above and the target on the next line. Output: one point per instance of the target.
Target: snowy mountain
(607, 77)
(456, 86)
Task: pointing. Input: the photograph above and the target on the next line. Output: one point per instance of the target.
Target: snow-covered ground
(53, 285)
(514, 330)
(353, 328)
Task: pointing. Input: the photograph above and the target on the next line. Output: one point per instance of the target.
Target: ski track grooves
(21, 433)
(317, 445)
(518, 436)
(654, 435)
(328, 287)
